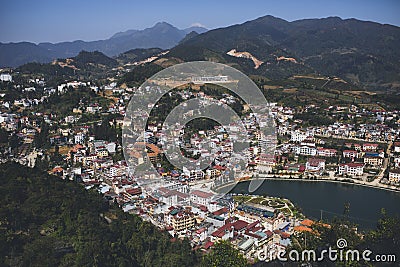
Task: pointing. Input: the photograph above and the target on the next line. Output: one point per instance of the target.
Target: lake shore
(328, 180)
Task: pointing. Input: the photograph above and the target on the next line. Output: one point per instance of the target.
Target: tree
(223, 254)
(14, 141)
(41, 138)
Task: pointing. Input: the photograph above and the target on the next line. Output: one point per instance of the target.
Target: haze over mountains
(363, 53)
(161, 35)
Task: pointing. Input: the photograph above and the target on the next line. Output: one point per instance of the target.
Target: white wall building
(5, 77)
(201, 197)
(353, 169)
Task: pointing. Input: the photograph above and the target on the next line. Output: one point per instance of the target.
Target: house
(79, 138)
(370, 147)
(200, 197)
(305, 150)
(373, 160)
(298, 136)
(315, 164)
(353, 169)
(356, 147)
(193, 174)
(171, 196)
(350, 154)
(101, 152)
(394, 175)
(5, 77)
(326, 152)
(246, 245)
(227, 231)
(396, 146)
(397, 162)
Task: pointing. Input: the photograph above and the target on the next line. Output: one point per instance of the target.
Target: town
(82, 142)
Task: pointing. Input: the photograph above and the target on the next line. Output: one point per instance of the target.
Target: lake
(312, 197)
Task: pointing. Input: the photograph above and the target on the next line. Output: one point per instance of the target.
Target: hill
(46, 221)
(91, 65)
(137, 54)
(16, 54)
(96, 57)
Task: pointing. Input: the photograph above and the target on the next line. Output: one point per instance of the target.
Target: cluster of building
(183, 203)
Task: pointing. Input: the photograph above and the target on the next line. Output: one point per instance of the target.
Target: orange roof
(301, 228)
(153, 148)
(57, 169)
(307, 222)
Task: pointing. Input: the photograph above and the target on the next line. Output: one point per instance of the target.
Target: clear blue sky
(66, 20)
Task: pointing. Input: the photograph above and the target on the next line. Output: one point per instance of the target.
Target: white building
(79, 138)
(298, 136)
(326, 152)
(305, 150)
(394, 175)
(5, 77)
(353, 169)
(314, 165)
(397, 147)
(200, 197)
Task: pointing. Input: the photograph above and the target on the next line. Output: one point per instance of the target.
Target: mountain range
(162, 35)
(362, 53)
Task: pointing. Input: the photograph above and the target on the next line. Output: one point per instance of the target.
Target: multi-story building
(79, 138)
(314, 165)
(5, 77)
(370, 147)
(350, 154)
(201, 197)
(298, 136)
(353, 169)
(305, 150)
(182, 219)
(373, 160)
(326, 152)
(394, 175)
(101, 152)
(396, 146)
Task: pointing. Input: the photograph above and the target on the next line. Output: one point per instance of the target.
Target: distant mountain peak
(163, 23)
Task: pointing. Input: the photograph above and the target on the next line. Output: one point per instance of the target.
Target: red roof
(268, 233)
(202, 194)
(203, 208)
(220, 232)
(252, 225)
(134, 191)
(208, 245)
(239, 224)
(302, 168)
(220, 168)
(220, 211)
(315, 162)
(201, 230)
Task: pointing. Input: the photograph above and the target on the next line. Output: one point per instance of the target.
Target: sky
(67, 20)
